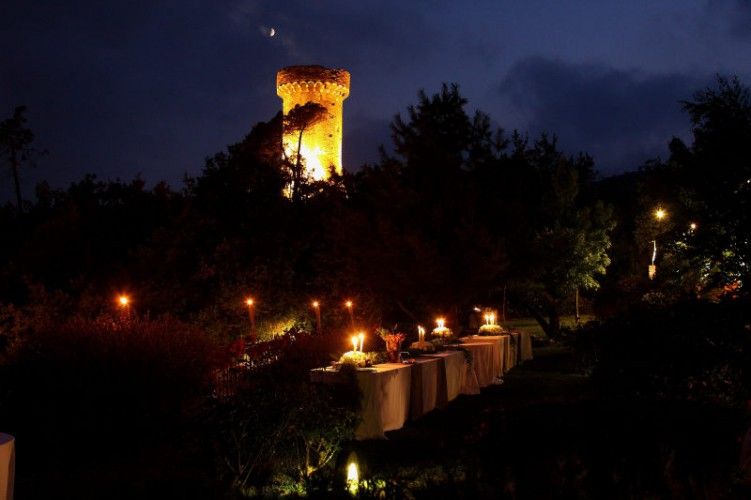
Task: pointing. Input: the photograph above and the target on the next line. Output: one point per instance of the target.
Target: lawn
(531, 326)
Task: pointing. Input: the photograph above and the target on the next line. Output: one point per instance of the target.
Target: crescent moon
(272, 32)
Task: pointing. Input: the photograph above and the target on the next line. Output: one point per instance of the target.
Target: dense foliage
(457, 214)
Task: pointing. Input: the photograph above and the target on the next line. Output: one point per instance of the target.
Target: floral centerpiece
(491, 327)
(442, 332)
(393, 340)
(357, 358)
(489, 330)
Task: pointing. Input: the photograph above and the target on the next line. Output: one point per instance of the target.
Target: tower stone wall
(322, 143)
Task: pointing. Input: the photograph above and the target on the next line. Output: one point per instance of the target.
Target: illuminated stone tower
(322, 143)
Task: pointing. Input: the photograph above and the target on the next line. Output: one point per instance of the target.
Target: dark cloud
(154, 86)
(620, 117)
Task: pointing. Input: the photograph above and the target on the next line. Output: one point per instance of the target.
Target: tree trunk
(577, 305)
(554, 323)
(297, 174)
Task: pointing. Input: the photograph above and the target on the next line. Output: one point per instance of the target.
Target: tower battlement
(322, 144)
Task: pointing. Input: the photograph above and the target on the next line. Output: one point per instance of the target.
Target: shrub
(106, 381)
(278, 431)
(692, 351)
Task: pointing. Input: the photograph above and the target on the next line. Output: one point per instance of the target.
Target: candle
(354, 343)
(440, 322)
(362, 338)
(492, 318)
(421, 333)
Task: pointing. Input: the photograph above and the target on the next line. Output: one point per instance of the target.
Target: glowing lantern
(353, 477)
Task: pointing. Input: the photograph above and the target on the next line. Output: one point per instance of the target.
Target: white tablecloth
(486, 360)
(385, 397)
(503, 349)
(424, 392)
(7, 466)
(455, 376)
(515, 347)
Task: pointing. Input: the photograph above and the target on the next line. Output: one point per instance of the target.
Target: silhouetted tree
(15, 142)
(298, 120)
(707, 184)
(566, 248)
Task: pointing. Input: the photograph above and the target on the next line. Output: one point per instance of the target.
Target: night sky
(153, 87)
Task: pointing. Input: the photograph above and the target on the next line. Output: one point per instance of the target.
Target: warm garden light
(123, 300)
(693, 226)
(348, 304)
(317, 308)
(660, 213)
(353, 477)
(252, 312)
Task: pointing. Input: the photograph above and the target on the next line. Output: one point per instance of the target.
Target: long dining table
(393, 393)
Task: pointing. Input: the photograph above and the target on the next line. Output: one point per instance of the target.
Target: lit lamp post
(659, 214)
(349, 304)
(123, 304)
(252, 312)
(317, 308)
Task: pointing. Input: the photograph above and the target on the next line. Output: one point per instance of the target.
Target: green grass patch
(531, 326)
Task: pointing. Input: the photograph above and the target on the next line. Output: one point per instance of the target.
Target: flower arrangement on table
(442, 333)
(491, 328)
(393, 340)
(357, 357)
